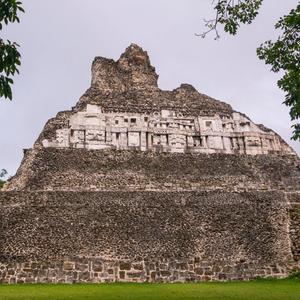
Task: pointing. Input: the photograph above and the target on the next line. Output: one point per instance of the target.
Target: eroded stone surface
(113, 170)
(144, 236)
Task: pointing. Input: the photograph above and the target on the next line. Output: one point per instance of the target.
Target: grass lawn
(255, 290)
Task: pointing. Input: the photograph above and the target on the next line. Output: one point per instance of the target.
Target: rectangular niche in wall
(133, 139)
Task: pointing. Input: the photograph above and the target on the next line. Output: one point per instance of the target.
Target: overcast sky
(60, 38)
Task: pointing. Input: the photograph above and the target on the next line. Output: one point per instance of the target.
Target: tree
(2, 174)
(283, 55)
(10, 58)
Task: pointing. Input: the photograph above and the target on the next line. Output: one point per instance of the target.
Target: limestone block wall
(143, 236)
(79, 169)
(156, 270)
(294, 199)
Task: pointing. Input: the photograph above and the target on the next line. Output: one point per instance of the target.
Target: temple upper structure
(125, 109)
(167, 131)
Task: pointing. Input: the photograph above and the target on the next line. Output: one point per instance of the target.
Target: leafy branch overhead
(10, 58)
(230, 13)
(283, 55)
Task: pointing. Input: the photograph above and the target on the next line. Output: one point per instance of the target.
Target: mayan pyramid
(139, 184)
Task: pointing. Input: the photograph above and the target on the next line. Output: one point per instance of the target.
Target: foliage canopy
(10, 58)
(284, 55)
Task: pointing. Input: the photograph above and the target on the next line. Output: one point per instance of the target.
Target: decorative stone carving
(166, 131)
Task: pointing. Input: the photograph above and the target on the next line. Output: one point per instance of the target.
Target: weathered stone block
(69, 266)
(122, 274)
(125, 266)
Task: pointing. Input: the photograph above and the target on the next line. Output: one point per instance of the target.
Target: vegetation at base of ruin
(1, 184)
(3, 173)
(10, 57)
(295, 275)
(297, 209)
(287, 289)
(283, 55)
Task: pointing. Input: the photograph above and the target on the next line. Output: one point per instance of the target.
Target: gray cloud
(59, 40)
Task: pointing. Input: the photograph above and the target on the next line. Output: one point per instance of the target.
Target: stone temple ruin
(138, 184)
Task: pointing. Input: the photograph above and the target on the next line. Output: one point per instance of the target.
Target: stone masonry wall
(143, 236)
(99, 270)
(79, 169)
(294, 199)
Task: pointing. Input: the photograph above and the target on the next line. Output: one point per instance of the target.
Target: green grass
(288, 289)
